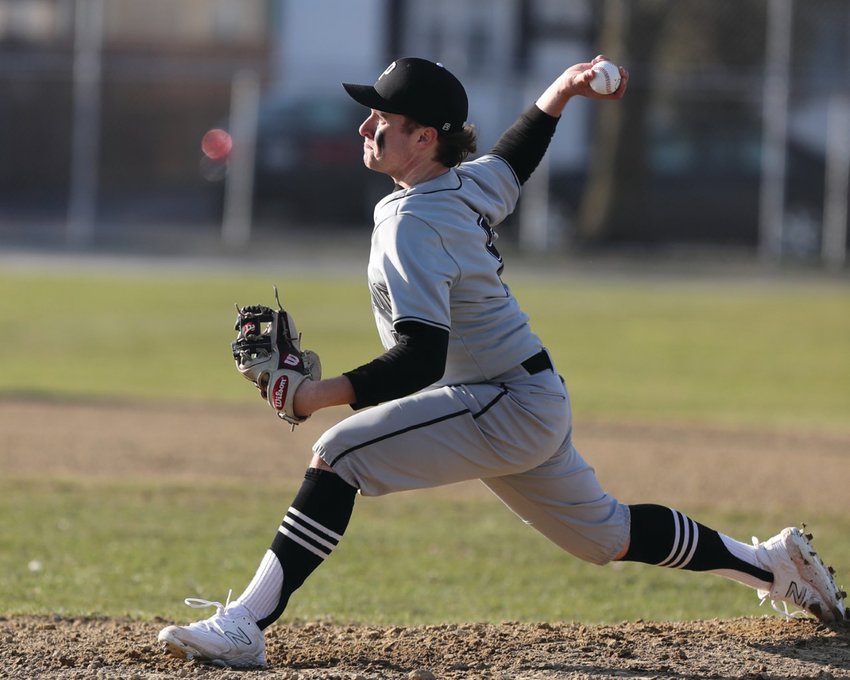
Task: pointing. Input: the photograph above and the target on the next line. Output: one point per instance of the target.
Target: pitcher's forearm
(313, 395)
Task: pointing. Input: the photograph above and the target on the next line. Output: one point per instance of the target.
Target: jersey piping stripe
(418, 426)
(510, 167)
(420, 319)
(410, 193)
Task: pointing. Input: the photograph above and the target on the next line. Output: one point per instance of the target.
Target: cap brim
(368, 97)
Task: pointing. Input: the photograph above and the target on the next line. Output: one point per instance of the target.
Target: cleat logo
(238, 636)
(796, 593)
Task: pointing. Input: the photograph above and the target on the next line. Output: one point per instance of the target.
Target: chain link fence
(735, 132)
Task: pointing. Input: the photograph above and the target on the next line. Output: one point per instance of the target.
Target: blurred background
(684, 249)
(735, 134)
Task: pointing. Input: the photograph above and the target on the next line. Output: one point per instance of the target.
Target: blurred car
(706, 185)
(703, 186)
(309, 162)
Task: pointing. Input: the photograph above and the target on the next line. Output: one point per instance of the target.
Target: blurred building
(165, 74)
(686, 151)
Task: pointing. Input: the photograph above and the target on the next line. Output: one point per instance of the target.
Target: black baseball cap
(420, 89)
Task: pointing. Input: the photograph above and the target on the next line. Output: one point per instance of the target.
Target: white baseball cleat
(229, 638)
(799, 577)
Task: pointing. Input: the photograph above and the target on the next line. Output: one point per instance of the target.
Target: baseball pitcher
(464, 389)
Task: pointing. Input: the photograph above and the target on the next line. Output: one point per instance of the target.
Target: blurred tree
(614, 195)
(681, 57)
(711, 57)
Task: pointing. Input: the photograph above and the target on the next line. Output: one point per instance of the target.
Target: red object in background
(216, 144)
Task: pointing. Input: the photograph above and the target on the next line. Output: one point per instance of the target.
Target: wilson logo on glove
(267, 351)
(278, 392)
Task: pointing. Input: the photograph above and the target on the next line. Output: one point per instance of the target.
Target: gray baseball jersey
(433, 260)
(500, 413)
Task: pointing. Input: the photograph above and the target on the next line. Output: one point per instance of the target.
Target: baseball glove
(267, 351)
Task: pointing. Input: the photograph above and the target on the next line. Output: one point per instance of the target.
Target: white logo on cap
(447, 127)
(388, 70)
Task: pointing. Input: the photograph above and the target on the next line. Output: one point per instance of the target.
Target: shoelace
(784, 611)
(765, 595)
(198, 603)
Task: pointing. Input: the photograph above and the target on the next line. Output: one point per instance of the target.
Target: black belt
(539, 362)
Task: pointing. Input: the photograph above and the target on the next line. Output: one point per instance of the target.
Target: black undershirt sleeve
(418, 360)
(524, 144)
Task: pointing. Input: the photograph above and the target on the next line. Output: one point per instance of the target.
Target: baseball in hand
(607, 78)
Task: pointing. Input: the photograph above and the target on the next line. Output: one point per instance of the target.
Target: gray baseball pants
(513, 433)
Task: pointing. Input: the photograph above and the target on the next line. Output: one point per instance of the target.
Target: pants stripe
(418, 426)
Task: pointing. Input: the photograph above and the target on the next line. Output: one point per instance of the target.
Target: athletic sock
(668, 538)
(311, 529)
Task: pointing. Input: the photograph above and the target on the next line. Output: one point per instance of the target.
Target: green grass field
(138, 549)
(747, 352)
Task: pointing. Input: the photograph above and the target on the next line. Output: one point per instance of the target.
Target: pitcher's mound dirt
(739, 648)
(142, 438)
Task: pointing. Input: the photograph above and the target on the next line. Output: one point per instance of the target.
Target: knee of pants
(564, 501)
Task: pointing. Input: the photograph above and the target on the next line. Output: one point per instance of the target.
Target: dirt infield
(142, 438)
(741, 648)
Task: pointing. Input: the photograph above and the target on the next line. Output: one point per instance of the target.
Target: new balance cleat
(229, 638)
(800, 578)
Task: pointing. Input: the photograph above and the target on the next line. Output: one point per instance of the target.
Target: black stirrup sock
(311, 529)
(668, 538)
